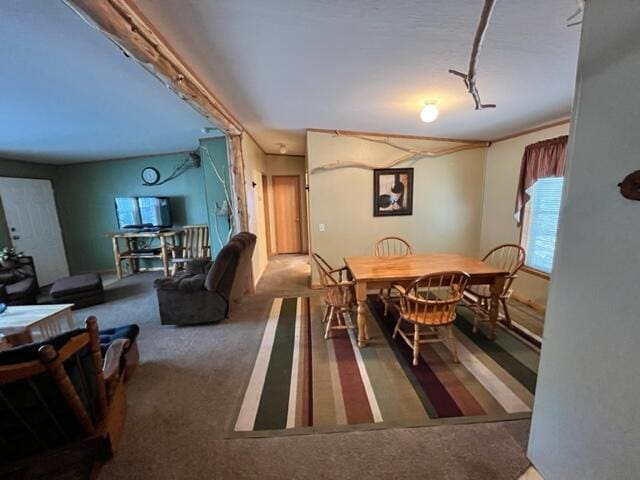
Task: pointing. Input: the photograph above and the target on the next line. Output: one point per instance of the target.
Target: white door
(32, 219)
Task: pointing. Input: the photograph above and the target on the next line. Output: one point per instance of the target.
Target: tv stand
(124, 251)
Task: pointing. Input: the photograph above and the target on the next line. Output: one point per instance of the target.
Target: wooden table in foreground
(45, 318)
(372, 272)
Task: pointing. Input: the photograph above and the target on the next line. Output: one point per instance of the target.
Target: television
(143, 212)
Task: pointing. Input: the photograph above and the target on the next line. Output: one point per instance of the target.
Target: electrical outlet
(321, 227)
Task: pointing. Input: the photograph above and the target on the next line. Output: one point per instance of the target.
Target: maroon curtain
(540, 160)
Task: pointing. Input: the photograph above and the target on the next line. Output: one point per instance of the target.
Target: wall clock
(150, 176)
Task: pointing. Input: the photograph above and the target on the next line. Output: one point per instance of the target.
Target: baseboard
(527, 301)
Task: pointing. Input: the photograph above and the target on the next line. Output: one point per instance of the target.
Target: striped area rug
(302, 383)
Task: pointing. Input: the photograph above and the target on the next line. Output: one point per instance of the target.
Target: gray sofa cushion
(184, 283)
(19, 289)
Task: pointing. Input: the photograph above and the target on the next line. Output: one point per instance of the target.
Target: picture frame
(392, 192)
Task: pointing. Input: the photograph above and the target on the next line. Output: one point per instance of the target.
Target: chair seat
(17, 290)
(480, 290)
(434, 318)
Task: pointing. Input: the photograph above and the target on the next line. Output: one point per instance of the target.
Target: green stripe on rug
(274, 402)
(518, 370)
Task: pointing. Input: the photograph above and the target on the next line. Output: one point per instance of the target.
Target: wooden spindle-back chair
(391, 247)
(339, 295)
(508, 257)
(430, 302)
(59, 399)
(194, 243)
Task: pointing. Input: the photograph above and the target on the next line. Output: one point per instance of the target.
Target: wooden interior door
(286, 208)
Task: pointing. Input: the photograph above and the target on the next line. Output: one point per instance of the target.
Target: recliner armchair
(206, 291)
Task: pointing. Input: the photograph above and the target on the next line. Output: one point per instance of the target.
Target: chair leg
(327, 330)
(416, 344)
(395, 330)
(452, 344)
(325, 315)
(506, 311)
(476, 307)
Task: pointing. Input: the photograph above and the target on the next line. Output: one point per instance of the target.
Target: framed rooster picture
(392, 192)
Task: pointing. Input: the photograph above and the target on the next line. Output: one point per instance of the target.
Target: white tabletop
(27, 315)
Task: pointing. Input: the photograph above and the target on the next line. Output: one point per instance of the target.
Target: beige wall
(500, 183)
(289, 165)
(447, 203)
(254, 167)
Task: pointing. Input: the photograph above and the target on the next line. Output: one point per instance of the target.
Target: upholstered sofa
(206, 291)
(18, 284)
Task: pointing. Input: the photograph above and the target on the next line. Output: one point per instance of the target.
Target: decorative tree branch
(469, 78)
(227, 201)
(410, 155)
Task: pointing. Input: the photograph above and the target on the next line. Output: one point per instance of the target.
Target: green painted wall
(21, 169)
(86, 195)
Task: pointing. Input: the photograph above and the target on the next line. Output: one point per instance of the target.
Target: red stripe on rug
(356, 403)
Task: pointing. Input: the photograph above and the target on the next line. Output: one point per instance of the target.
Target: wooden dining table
(371, 272)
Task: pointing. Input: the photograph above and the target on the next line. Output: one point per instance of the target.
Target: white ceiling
(67, 94)
(286, 65)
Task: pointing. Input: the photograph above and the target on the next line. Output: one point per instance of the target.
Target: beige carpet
(183, 398)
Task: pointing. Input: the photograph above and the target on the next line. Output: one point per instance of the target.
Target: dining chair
(508, 257)
(430, 303)
(391, 247)
(339, 295)
(194, 243)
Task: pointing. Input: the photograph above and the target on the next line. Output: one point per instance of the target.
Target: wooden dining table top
(370, 268)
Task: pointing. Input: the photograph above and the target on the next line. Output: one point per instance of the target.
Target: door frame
(266, 203)
(300, 237)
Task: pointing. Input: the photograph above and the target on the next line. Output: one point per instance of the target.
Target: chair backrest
(338, 289)
(392, 247)
(195, 241)
(432, 299)
(508, 257)
(51, 393)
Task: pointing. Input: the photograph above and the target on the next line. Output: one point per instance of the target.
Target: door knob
(15, 237)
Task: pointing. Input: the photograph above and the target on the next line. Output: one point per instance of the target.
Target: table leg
(496, 290)
(116, 255)
(165, 260)
(361, 296)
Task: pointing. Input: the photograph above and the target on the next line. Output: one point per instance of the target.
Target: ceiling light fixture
(429, 112)
(283, 148)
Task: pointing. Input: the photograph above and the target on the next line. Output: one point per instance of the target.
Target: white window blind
(541, 223)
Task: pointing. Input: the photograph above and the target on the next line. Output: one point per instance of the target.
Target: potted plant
(9, 257)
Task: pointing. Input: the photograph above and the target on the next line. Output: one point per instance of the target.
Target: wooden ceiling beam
(130, 30)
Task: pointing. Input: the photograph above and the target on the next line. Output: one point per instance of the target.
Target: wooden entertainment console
(124, 248)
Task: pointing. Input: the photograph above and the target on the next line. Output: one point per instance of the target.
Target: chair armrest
(399, 288)
(111, 364)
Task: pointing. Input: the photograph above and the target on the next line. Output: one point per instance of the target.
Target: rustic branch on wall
(469, 78)
(410, 154)
(577, 12)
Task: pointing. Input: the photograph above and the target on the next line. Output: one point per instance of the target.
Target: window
(541, 223)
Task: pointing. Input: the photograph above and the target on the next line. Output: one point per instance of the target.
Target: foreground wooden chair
(62, 408)
(509, 257)
(391, 247)
(339, 295)
(194, 243)
(429, 304)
